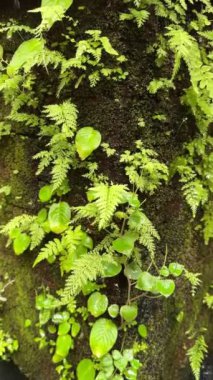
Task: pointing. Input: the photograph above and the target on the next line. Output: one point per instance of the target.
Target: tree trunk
(114, 109)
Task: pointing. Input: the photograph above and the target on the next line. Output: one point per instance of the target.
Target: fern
(196, 194)
(71, 241)
(5, 129)
(145, 172)
(64, 115)
(87, 268)
(196, 355)
(105, 200)
(208, 300)
(51, 13)
(139, 222)
(194, 280)
(90, 53)
(23, 222)
(72, 238)
(61, 155)
(208, 222)
(50, 250)
(59, 171)
(139, 16)
(37, 234)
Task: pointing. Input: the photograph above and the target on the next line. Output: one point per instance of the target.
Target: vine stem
(129, 291)
(143, 295)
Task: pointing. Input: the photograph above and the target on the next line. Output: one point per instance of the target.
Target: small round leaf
(146, 282)
(165, 287)
(113, 310)
(111, 269)
(45, 193)
(176, 269)
(129, 312)
(21, 243)
(63, 328)
(87, 140)
(132, 270)
(97, 304)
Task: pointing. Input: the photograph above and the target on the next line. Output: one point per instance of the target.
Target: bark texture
(114, 109)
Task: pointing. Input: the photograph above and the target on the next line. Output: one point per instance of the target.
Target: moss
(17, 170)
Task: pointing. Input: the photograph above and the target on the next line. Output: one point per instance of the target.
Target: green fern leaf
(37, 235)
(51, 249)
(196, 355)
(107, 199)
(64, 115)
(196, 194)
(87, 268)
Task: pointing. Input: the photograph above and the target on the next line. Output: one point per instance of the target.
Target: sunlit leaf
(86, 370)
(97, 304)
(87, 140)
(59, 217)
(103, 337)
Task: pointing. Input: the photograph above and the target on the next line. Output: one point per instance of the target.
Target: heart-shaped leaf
(176, 269)
(21, 243)
(125, 243)
(97, 304)
(86, 370)
(132, 270)
(103, 337)
(111, 269)
(165, 287)
(87, 140)
(129, 312)
(113, 310)
(45, 193)
(164, 271)
(59, 217)
(146, 282)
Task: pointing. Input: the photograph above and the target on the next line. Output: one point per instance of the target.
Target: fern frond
(45, 158)
(87, 268)
(105, 245)
(196, 194)
(196, 355)
(145, 172)
(37, 235)
(139, 16)
(72, 238)
(22, 221)
(208, 300)
(59, 171)
(64, 115)
(208, 222)
(5, 129)
(30, 120)
(90, 210)
(139, 222)
(51, 249)
(107, 199)
(194, 280)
